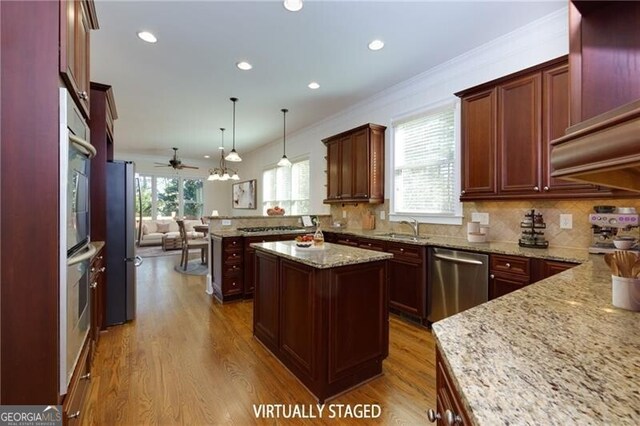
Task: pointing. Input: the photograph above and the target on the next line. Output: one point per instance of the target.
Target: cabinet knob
(492, 276)
(103, 269)
(366, 195)
(83, 95)
(401, 249)
(233, 284)
(93, 285)
(546, 188)
(508, 265)
(74, 415)
(433, 415)
(234, 243)
(536, 188)
(100, 257)
(452, 418)
(369, 244)
(86, 376)
(93, 270)
(463, 192)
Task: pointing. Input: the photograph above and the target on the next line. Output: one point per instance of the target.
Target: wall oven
(75, 248)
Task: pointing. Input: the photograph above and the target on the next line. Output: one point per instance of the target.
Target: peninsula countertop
(331, 256)
(555, 352)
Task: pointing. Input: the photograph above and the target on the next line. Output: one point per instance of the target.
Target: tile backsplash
(504, 219)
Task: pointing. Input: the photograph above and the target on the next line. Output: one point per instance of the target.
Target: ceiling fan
(175, 162)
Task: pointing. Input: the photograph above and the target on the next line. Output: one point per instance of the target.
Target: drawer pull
(74, 415)
(103, 269)
(233, 284)
(492, 276)
(433, 416)
(401, 250)
(452, 418)
(508, 265)
(93, 285)
(83, 95)
(100, 257)
(93, 270)
(86, 376)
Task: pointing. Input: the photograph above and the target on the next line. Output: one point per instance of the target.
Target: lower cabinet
(250, 258)
(449, 409)
(78, 387)
(227, 268)
(97, 280)
(408, 278)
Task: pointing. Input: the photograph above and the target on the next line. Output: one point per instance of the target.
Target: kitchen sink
(404, 237)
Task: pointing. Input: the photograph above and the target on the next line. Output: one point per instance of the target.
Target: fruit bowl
(304, 244)
(304, 241)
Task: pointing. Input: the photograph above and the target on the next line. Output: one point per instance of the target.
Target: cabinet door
(501, 284)
(555, 120)
(333, 170)
(406, 287)
(479, 144)
(552, 267)
(345, 188)
(360, 153)
(266, 319)
(519, 109)
(249, 270)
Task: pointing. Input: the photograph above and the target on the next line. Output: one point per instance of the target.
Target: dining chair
(191, 243)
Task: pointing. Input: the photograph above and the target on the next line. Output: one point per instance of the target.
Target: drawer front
(511, 264)
(232, 284)
(73, 401)
(407, 251)
(232, 256)
(229, 269)
(347, 241)
(232, 243)
(376, 245)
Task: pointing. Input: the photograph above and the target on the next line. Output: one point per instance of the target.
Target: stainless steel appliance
(120, 245)
(606, 226)
(458, 280)
(75, 250)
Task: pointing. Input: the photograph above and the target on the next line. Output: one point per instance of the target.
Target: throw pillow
(145, 229)
(163, 228)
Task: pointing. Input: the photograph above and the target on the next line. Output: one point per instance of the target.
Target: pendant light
(233, 155)
(292, 5)
(284, 161)
(221, 173)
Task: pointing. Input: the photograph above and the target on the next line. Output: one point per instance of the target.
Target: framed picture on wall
(243, 194)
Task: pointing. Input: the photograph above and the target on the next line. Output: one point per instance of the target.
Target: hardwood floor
(189, 360)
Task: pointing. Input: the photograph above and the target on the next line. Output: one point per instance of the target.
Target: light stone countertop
(555, 352)
(227, 233)
(333, 255)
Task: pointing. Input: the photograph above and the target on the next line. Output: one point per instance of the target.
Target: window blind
(287, 187)
(424, 168)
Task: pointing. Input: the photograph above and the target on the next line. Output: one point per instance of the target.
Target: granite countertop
(333, 255)
(226, 233)
(555, 352)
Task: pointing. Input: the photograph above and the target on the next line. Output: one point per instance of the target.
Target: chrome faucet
(414, 225)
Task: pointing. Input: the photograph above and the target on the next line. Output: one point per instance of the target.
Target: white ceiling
(176, 92)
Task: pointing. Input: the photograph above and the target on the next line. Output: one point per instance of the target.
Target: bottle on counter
(318, 237)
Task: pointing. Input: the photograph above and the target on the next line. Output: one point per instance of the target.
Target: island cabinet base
(329, 327)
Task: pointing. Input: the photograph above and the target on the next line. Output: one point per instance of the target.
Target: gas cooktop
(271, 228)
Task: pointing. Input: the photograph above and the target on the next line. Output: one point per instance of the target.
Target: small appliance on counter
(532, 234)
(608, 223)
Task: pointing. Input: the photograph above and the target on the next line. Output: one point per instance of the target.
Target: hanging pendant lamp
(221, 173)
(284, 161)
(233, 155)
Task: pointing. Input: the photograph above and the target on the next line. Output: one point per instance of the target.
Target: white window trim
(181, 178)
(438, 219)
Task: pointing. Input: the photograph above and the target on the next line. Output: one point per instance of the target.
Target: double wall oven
(75, 249)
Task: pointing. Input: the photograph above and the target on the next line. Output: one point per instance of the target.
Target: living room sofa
(153, 231)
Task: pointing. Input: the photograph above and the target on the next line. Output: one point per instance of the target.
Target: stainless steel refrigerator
(120, 244)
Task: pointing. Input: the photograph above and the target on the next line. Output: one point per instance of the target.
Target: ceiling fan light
(233, 156)
(284, 162)
(235, 177)
(293, 5)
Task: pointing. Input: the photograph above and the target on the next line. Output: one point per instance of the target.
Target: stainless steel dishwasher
(458, 280)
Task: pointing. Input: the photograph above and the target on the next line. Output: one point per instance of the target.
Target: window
(287, 187)
(425, 167)
(169, 197)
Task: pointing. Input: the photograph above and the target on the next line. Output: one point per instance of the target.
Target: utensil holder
(626, 293)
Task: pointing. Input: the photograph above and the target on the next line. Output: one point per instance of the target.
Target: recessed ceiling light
(207, 156)
(313, 85)
(293, 5)
(376, 45)
(147, 36)
(244, 66)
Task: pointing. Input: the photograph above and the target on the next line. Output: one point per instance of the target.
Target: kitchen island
(555, 352)
(323, 313)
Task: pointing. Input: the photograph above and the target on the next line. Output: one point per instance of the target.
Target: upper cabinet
(77, 19)
(507, 128)
(601, 146)
(355, 165)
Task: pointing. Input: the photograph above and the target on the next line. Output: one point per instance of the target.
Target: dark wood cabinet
(78, 388)
(329, 327)
(507, 274)
(355, 165)
(519, 144)
(544, 268)
(479, 147)
(250, 259)
(347, 240)
(372, 244)
(77, 19)
(507, 128)
(449, 408)
(227, 268)
(408, 279)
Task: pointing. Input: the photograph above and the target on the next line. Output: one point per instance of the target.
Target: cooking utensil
(611, 262)
(635, 270)
(625, 261)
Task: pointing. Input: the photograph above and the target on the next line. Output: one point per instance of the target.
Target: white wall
(532, 44)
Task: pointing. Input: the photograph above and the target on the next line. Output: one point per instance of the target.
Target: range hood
(604, 150)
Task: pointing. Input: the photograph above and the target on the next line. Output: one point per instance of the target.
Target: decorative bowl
(304, 244)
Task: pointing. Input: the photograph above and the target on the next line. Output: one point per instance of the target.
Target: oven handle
(84, 146)
(82, 257)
